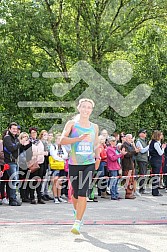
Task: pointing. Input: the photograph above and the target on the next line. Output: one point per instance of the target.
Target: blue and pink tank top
(82, 153)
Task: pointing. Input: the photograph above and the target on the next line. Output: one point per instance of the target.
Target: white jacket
(54, 151)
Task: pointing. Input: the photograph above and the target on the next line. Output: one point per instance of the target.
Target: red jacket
(103, 153)
(112, 159)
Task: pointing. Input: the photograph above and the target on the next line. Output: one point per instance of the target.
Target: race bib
(84, 148)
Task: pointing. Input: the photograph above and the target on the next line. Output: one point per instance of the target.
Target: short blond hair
(22, 134)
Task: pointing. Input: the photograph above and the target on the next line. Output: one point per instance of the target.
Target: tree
(51, 36)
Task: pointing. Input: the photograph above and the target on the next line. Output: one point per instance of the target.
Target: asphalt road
(125, 225)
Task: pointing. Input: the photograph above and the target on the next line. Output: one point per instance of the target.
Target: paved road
(125, 225)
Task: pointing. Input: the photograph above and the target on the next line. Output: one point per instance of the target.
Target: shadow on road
(116, 247)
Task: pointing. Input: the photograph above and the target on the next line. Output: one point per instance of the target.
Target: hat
(18, 126)
(111, 139)
(142, 131)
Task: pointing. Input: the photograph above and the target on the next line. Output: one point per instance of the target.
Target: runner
(83, 137)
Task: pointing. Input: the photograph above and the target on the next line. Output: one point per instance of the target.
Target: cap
(142, 131)
(18, 126)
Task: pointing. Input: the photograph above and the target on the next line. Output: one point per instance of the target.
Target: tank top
(82, 153)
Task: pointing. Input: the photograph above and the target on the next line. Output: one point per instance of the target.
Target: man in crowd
(142, 158)
(11, 147)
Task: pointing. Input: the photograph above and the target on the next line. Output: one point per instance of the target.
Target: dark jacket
(127, 161)
(165, 163)
(11, 147)
(153, 154)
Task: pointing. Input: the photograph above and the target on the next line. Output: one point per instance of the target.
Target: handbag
(33, 166)
(55, 164)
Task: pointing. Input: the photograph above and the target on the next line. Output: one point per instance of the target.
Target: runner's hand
(86, 137)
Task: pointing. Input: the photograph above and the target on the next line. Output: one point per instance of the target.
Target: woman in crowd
(59, 153)
(156, 150)
(43, 136)
(114, 165)
(165, 169)
(25, 155)
(128, 166)
(36, 165)
(102, 183)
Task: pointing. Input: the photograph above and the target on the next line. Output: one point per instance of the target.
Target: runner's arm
(96, 147)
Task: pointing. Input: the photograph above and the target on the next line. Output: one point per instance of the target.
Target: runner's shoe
(76, 227)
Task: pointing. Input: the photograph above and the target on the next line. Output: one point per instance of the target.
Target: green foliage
(51, 36)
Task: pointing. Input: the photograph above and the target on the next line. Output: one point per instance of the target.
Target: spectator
(11, 147)
(122, 137)
(128, 166)
(142, 158)
(3, 183)
(156, 150)
(165, 169)
(38, 159)
(59, 153)
(18, 130)
(25, 155)
(43, 136)
(113, 164)
(117, 137)
(102, 183)
(105, 134)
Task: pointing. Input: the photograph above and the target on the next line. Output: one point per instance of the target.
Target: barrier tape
(96, 178)
(86, 222)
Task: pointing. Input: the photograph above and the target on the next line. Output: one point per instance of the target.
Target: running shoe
(76, 227)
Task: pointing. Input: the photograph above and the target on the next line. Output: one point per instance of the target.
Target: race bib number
(84, 148)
